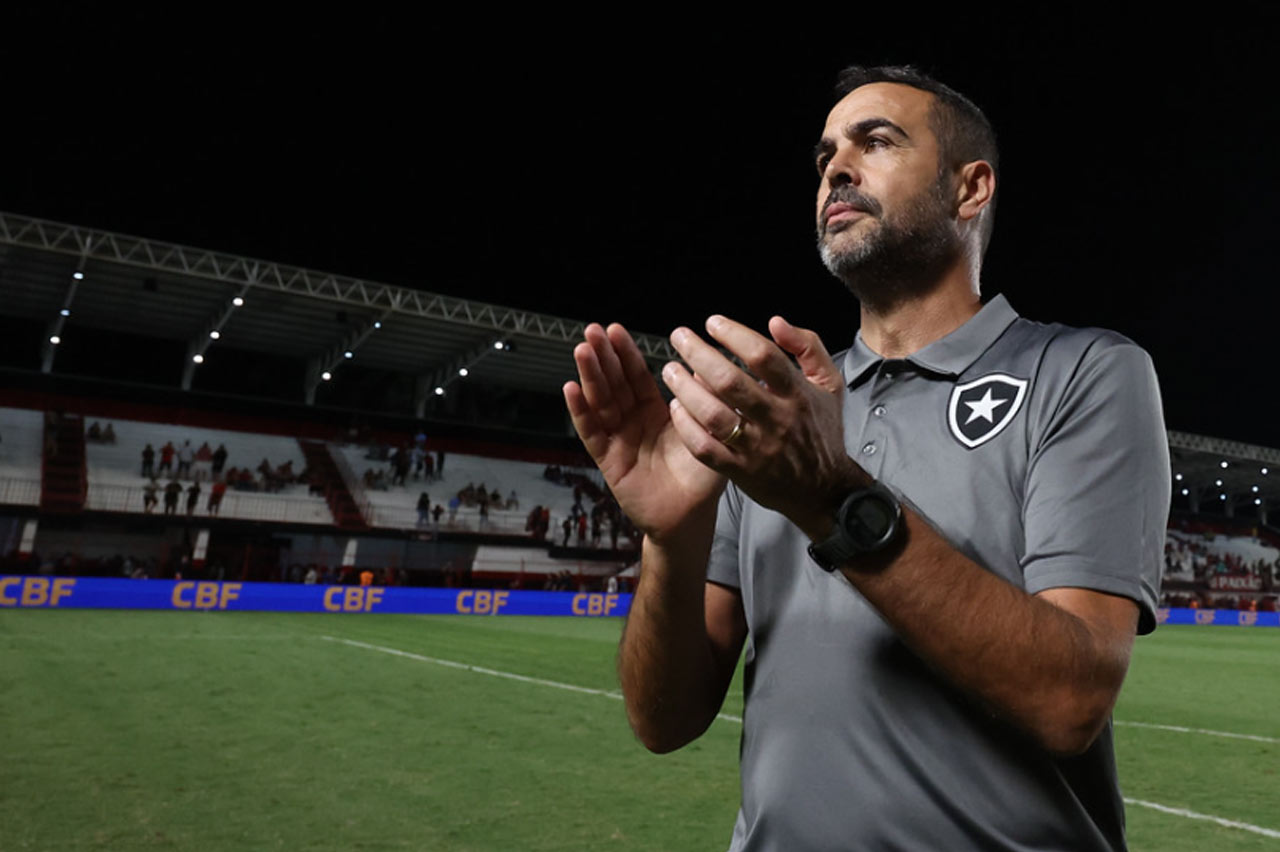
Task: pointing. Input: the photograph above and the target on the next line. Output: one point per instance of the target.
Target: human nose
(842, 169)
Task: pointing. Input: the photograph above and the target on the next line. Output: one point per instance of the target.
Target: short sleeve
(1098, 486)
(722, 567)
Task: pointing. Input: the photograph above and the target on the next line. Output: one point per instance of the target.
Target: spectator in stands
(439, 462)
(567, 526)
(582, 529)
(495, 499)
(185, 456)
(366, 577)
(109, 434)
(148, 461)
(95, 432)
(204, 461)
(454, 503)
(595, 529)
(311, 576)
(401, 466)
(193, 497)
(429, 466)
(513, 502)
(219, 459)
(436, 513)
(424, 509)
(484, 513)
(149, 498)
(216, 491)
(171, 492)
(417, 460)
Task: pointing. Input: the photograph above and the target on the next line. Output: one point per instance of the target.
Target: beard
(902, 258)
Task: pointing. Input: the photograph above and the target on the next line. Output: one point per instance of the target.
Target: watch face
(870, 519)
(874, 515)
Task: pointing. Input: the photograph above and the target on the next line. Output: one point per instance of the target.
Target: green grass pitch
(210, 731)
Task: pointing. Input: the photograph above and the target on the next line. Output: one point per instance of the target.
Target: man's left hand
(788, 451)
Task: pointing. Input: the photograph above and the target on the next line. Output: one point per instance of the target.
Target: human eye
(874, 142)
(823, 160)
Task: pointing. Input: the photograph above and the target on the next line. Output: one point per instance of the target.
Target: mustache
(851, 195)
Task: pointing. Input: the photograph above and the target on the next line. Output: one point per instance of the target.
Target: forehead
(906, 106)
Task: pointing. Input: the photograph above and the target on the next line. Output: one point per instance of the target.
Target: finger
(720, 375)
(756, 351)
(700, 445)
(595, 387)
(810, 354)
(593, 435)
(610, 365)
(705, 407)
(633, 363)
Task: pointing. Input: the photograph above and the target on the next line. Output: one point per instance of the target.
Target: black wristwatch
(867, 521)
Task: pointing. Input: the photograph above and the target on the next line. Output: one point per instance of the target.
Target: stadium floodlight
(439, 391)
(65, 312)
(55, 340)
(78, 275)
(1255, 489)
(1264, 471)
(1218, 482)
(498, 344)
(1185, 492)
(1224, 465)
(377, 323)
(348, 354)
(1178, 476)
(215, 334)
(464, 372)
(1222, 496)
(199, 359)
(326, 375)
(237, 301)
(1257, 501)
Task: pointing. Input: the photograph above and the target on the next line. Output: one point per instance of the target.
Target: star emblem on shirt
(984, 408)
(979, 410)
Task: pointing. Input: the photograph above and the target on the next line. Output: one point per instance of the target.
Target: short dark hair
(963, 131)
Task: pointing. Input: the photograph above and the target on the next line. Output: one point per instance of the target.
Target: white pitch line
(1227, 823)
(1181, 730)
(495, 673)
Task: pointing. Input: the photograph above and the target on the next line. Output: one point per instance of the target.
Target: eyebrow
(856, 130)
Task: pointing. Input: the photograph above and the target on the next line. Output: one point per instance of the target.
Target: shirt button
(869, 449)
(878, 411)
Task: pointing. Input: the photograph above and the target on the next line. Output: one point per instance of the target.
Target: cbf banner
(1226, 617)
(98, 593)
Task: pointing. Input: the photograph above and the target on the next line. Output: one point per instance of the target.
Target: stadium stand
(116, 483)
(21, 442)
(324, 373)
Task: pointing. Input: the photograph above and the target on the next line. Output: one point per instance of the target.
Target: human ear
(977, 188)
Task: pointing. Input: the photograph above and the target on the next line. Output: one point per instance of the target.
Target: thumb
(810, 354)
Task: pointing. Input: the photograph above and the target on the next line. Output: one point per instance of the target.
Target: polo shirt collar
(950, 355)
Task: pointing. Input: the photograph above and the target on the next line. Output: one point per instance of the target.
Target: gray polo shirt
(1039, 452)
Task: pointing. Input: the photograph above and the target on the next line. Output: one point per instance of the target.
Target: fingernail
(679, 336)
(715, 321)
(669, 371)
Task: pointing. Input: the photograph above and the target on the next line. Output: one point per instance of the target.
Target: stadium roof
(175, 292)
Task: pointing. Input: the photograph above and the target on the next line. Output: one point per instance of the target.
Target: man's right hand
(626, 427)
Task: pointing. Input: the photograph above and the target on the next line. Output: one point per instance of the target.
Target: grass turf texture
(195, 731)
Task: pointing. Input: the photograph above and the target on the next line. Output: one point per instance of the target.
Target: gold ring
(735, 434)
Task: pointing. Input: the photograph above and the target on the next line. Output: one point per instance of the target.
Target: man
(938, 547)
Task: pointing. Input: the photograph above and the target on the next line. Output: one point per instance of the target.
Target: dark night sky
(659, 172)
